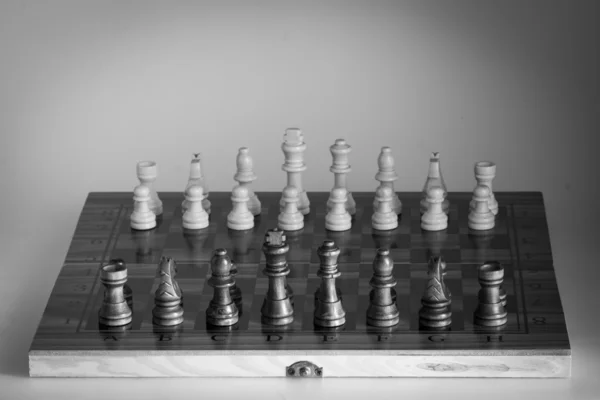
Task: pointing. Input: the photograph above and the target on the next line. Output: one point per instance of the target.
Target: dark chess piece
(382, 311)
(501, 288)
(234, 291)
(126, 289)
(435, 312)
(277, 307)
(490, 311)
(114, 310)
(329, 311)
(221, 310)
(167, 309)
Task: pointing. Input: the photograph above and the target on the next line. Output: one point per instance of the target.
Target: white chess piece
(142, 218)
(340, 168)
(485, 172)
(434, 218)
(196, 178)
(290, 219)
(240, 218)
(338, 218)
(147, 172)
(384, 218)
(293, 147)
(435, 178)
(386, 175)
(481, 218)
(245, 176)
(194, 217)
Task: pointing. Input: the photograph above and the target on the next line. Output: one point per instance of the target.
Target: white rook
(293, 148)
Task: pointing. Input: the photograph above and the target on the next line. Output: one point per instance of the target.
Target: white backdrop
(89, 88)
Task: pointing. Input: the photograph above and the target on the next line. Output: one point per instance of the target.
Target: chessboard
(69, 341)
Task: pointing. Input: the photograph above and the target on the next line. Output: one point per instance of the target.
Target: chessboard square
(400, 256)
(298, 285)
(386, 239)
(63, 313)
(190, 286)
(432, 240)
(480, 257)
(423, 255)
(187, 270)
(484, 242)
(299, 254)
(298, 270)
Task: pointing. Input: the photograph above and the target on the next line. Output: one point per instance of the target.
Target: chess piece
(142, 218)
(340, 168)
(485, 172)
(386, 175)
(490, 311)
(382, 311)
(501, 290)
(329, 311)
(196, 178)
(290, 219)
(194, 217)
(384, 218)
(293, 148)
(481, 218)
(435, 312)
(168, 265)
(434, 218)
(167, 309)
(221, 310)
(338, 218)
(127, 292)
(244, 176)
(234, 291)
(146, 173)
(114, 310)
(435, 178)
(277, 307)
(240, 218)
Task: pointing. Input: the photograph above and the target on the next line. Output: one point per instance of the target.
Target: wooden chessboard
(534, 342)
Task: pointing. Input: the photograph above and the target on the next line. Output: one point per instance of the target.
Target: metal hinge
(304, 369)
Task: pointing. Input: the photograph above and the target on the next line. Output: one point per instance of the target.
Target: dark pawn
(435, 312)
(329, 311)
(114, 310)
(490, 311)
(382, 311)
(235, 291)
(167, 309)
(221, 311)
(277, 307)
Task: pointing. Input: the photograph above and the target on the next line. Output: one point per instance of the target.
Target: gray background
(87, 89)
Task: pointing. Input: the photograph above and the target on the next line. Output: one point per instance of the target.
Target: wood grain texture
(534, 342)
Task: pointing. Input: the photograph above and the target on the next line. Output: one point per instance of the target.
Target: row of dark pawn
(277, 309)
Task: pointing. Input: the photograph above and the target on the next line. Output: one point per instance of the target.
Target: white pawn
(384, 218)
(196, 177)
(194, 217)
(290, 219)
(338, 218)
(240, 218)
(386, 175)
(485, 172)
(147, 172)
(245, 176)
(142, 218)
(481, 218)
(434, 219)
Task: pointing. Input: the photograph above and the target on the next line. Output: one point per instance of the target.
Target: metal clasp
(304, 369)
